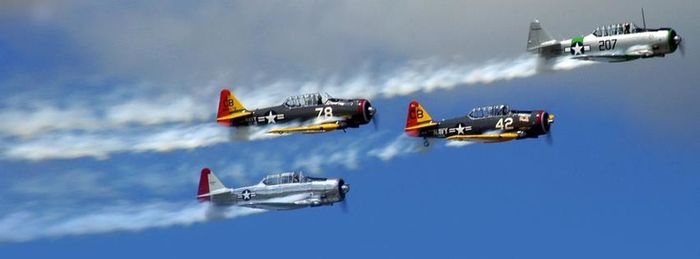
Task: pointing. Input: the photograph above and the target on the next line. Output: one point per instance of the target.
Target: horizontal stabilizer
(234, 115)
(422, 125)
(216, 192)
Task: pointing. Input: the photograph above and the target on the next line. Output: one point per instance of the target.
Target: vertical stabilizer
(417, 118)
(537, 36)
(229, 108)
(208, 183)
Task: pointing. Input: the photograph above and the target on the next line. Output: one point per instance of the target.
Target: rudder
(537, 36)
(417, 115)
(228, 106)
(208, 182)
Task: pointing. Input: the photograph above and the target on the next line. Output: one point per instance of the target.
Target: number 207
(607, 44)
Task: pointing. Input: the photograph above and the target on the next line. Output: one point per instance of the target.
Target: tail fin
(417, 118)
(208, 183)
(229, 108)
(537, 36)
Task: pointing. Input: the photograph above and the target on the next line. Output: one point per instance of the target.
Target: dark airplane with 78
(318, 113)
(488, 124)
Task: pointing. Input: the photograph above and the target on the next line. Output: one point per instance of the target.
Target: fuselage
(629, 46)
(308, 192)
(527, 124)
(350, 112)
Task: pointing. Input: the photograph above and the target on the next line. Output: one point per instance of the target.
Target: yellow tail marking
(233, 104)
(422, 115)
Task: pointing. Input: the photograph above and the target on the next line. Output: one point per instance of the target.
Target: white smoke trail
(417, 76)
(30, 225)
(101, 141)
(25, 122)
(458, 144)
(566, 63)
(401, 145)
(426, 76)
(101, 145)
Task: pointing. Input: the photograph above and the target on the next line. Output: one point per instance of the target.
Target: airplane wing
(315, 128)
(308, 202)
(284, 203)
(634, 52)
(499, 137)
(607, 58)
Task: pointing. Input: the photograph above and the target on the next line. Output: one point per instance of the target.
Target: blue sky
(107, 113)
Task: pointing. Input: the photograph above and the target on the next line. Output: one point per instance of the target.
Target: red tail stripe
(204, 184)
(223, 103)
(411, 119)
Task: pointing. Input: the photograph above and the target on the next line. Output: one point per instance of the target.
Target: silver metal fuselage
(612, 43)
(284, 196)
(621, 47)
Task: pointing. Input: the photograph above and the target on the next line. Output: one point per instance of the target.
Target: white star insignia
(246, 195)
(270, 118)
(460, 129)
(577, 49)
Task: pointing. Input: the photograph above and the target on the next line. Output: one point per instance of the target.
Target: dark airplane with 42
(484, 124)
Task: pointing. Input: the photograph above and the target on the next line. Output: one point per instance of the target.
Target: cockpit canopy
(489, 111)
(289, 177)
(305, 100)
(616, 29)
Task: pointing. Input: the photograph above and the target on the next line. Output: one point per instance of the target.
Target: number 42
(506, 123)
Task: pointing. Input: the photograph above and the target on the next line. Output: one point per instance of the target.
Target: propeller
(644, 21)
(375, 121)
(681, 48)
(343, 189)
(371, 114)
(344, 206)
(550, 121)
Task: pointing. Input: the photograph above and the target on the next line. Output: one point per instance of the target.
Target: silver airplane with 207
(612, 43)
